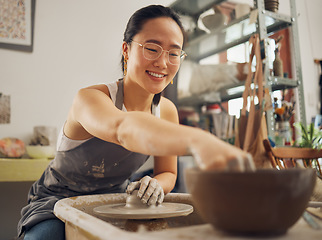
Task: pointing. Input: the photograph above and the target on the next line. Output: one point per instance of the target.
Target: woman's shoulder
(165, 102)
(101, 87)
(168, 109)
(108, 88)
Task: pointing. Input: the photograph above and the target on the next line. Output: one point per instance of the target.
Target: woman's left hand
(150, 191)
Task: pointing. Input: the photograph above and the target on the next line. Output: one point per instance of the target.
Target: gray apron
(94, 167)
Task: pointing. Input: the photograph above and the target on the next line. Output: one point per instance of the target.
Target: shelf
(232, 92)
(278, 83)
(213, 97)
(201, 45)
(19, 170)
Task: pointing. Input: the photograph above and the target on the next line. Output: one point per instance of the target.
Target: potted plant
(310, 137)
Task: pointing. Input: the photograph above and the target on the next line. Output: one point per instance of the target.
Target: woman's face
(153, 75)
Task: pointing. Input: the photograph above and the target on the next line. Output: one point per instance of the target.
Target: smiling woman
(112, 129)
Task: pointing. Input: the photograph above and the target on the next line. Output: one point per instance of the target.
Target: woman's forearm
(147, 134)
(167, 181)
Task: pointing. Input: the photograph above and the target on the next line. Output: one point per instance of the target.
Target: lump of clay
(133, 201)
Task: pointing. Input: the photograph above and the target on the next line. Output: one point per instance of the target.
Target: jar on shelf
(278, 65)
(283, 133)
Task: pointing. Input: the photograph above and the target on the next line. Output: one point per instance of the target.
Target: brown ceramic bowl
(264, 202)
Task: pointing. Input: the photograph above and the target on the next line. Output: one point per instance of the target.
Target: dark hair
(139, 18)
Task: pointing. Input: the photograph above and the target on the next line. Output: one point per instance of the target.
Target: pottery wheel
(135, 209)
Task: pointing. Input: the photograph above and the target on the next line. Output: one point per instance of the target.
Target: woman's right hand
(211, 153)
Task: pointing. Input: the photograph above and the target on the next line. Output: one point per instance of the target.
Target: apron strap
(119, 95)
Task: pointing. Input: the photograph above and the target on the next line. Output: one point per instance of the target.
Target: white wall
(77, 43)
(310, 37)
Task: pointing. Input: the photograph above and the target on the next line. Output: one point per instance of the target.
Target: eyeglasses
(152, 51)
